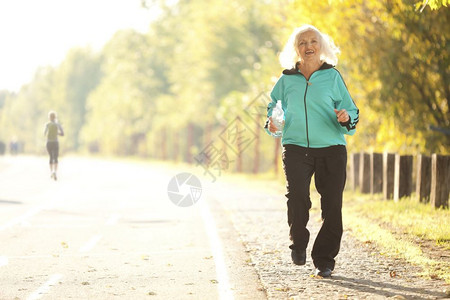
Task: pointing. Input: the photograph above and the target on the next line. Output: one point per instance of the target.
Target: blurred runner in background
(52, 130)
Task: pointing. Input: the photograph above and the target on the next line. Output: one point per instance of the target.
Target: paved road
(107, 230)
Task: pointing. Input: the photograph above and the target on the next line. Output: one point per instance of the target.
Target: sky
(37, 33)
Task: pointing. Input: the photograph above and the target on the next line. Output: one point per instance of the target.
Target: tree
(24, 114)
(171, 91)
(395, 62)
(121, 108)
(433, 4)
(74, 79)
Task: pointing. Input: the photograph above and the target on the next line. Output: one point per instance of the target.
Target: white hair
(328, 50)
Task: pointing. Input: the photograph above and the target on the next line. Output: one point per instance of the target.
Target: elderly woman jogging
(318, 111)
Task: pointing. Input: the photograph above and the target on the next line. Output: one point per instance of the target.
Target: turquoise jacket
(310, 120)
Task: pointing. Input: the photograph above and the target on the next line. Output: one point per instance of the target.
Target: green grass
(413, 231)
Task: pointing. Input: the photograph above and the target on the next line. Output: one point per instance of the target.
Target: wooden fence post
(364, 173)
(388, 175)
(354, 171)
(376, 173)
(403, 176)
(423, 178)
(440, 180)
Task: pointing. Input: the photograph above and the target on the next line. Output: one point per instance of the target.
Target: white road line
(3, 261)
(216, 248)
(112, 220)
(91, 243)
(43, 289)
(21, 219)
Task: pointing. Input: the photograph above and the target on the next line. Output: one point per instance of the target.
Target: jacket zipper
(306, 117)
(308, 83)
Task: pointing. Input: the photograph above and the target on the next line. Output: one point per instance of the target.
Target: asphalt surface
(115, 229)
(108, 230)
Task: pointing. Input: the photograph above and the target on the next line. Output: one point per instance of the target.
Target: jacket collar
(295, 70)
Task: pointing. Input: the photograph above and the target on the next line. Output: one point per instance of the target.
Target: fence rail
(397, 176)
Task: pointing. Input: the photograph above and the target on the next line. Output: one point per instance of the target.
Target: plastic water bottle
(278, 119)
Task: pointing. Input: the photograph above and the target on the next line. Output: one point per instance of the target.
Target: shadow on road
(10, 202)
(382, 288)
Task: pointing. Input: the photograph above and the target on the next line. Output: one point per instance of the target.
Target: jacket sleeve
(275, 95)
(346, 102)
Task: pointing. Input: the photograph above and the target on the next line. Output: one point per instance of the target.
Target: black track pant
(329, 168)
(53, 151)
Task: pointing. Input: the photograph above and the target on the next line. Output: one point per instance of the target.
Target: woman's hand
(272, 128)
(341, 115)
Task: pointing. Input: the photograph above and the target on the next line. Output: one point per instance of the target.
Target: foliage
(116, 119)
(169, 92)
(63, 89)
(3, 95)
(434, 4)
(420, 83)
(395, 62)
(74, 80)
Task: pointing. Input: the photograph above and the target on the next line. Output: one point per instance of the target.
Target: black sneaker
(325, 272)
(298, 257)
